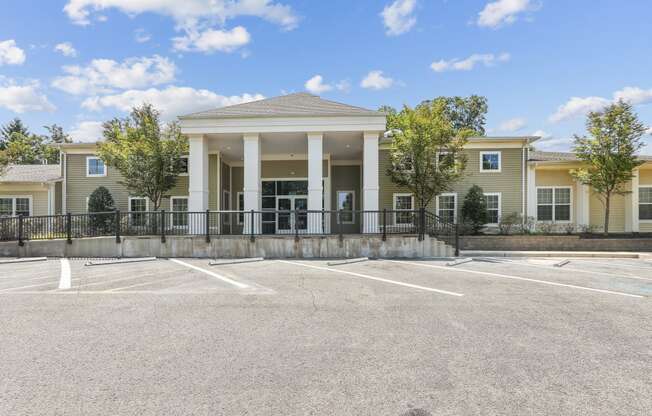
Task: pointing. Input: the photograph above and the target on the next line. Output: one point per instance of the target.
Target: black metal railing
(211, 224)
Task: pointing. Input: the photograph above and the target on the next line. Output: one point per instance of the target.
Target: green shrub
(474, 209)
(509, 223)
(101, 201)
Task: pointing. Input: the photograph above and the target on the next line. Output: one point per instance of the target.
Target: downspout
(523, 173)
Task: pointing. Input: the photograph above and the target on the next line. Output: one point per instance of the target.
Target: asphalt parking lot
(300, 337)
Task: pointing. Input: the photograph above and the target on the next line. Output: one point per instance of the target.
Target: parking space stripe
(572, 269)
(527, 279)
(210, 273)
(378, 279)
(65, 281)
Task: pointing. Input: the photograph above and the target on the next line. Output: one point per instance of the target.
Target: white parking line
(506, 276)
(215, 275)
(378, 279)
(572, 269)
(65, 282)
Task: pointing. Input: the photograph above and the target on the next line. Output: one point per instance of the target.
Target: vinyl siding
(39, 198)
(58, 198)
(79, 186)
(508, 182)
(616, 213)
(212, 182)
(560, 178)
(645, 179)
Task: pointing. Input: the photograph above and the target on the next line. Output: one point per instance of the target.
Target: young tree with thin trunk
(426, 153)
(148, 157)
(609, 152)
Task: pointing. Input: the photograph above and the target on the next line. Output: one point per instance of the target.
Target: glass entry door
(287, 222)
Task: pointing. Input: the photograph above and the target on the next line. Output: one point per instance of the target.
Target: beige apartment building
(301, 152)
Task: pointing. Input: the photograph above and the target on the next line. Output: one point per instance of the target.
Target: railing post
(422, 224)
(117, 227)
(384, 224)
(339, 224)
(20, 231)
(251, 226)
(296, 225)
(69, 228)
(163, 226)
(457, 240)
(208, 226)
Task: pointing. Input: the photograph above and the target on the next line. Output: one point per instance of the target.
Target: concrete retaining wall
(234, 247)
(552, 243)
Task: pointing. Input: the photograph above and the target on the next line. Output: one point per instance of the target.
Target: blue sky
(541, 63)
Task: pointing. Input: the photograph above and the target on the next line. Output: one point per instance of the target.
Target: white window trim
(500, 161)
(139, 197)
(187, 164)
(337, 201)
(13, 203)
(239, 208)
(554, 211)
(394, 199)
(88, 175)
(500, 207)
(643, 203)
(172, 199)
(454, 195)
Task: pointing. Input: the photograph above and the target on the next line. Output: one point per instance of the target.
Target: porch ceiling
(340, 145)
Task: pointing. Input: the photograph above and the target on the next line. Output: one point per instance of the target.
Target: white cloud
(398, 17)
(578, 106)
(541, 133)
(634, 95)
(141, 36)
(172, 101)
(10, 54)
(503, 12)
(66, 49)
(87, 132)
(344, 86)
(488, 59)
(316, 85)
(512, 125)
(649, 131)
(22, 98)
(188, 13)
(375, 80)
(106, 75)
(212, 40)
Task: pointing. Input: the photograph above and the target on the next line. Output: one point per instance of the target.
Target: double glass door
(290, 222)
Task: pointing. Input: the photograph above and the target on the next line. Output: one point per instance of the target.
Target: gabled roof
(293, 105)
(31, 173)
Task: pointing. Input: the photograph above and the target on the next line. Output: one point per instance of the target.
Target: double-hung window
(645, 203)
(13, 206)
(490, 162)
(346, 204)
(404, 207)
(138, 211)
(492, 200)
(179, 208)
(95, 167)
(447, 207)
(554, 204)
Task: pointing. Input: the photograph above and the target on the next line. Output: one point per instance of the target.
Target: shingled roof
(537, 156)
(31, 173)
(293, 105)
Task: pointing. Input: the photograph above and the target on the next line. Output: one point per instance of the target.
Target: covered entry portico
(291, 143)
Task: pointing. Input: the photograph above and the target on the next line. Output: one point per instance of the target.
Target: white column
(51, 198)
(315, 181)
(370, 181)
(582, 214)
(251, 188)
(634, 202)
(198, 180)
(198, 173)
(532, 191)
